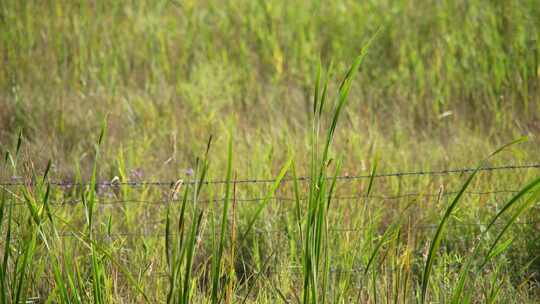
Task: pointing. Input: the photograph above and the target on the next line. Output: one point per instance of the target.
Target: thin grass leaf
(267, 199)
(439, 232)
(217, 259)
(465, 269)
(252, 284)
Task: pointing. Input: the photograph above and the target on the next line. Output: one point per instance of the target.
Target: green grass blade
(465, 269)
(439, 232)
(217, 259)
(266, 200)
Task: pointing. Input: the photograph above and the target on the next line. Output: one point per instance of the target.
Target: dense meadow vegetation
(129, 132)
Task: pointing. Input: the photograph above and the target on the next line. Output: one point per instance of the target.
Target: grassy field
(99, 97)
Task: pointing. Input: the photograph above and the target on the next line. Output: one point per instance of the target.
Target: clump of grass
(315, 259)
(181, 243)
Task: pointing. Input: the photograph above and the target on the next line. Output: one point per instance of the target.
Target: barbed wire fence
(10, 185)
(157, 232)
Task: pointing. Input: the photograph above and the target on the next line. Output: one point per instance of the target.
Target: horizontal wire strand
(72, 202)
(266, 181)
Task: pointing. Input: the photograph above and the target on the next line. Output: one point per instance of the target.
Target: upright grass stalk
(180, 247)
(14, 277)
(36, 198)
(98, 255)
(232, 254)
(219, 247)
(315, 251)
(99, 291)
(7, 241)
(10, 160)
(218, 251)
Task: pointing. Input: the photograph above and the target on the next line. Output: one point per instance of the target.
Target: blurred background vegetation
(443, 81)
